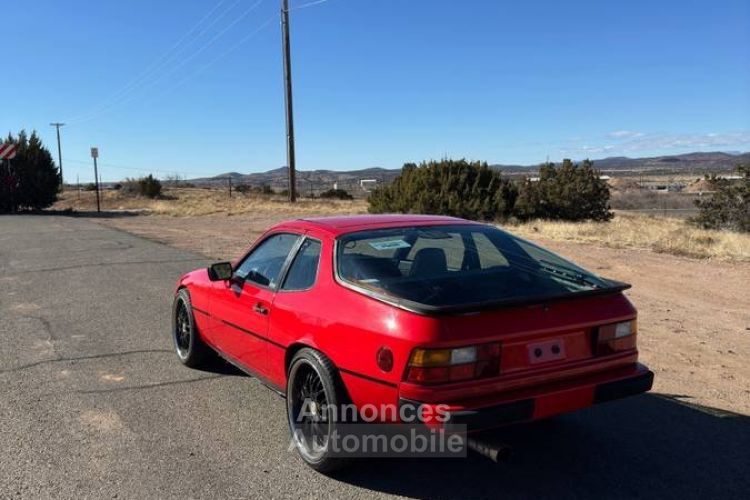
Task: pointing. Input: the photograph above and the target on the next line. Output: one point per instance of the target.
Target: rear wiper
(568, 273)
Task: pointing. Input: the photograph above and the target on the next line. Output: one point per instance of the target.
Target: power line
(202, 69)
(166, 56)
(218, 58)
(308, 4)
(126, 97)
(143, 169)
(121, 95)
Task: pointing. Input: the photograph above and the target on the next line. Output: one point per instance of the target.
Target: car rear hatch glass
(459, 267)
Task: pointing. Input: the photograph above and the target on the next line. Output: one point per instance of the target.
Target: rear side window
(263, 265)
(304, 268)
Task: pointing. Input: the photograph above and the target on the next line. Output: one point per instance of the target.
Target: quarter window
(263, 265)
(304, 269)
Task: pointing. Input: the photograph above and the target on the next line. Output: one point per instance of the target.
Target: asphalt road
(94, 403)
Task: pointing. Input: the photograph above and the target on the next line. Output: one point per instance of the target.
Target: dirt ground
(694, 314)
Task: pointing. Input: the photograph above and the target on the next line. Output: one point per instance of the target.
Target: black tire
(305, 364)
(188, 345)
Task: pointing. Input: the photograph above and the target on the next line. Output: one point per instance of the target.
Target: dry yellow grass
(202, 202)
(186, 202)
(662, 235)
(658, 234)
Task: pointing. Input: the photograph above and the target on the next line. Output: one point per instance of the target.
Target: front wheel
(313, 395)
(190, 348)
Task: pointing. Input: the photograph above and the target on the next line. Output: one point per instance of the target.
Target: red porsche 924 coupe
(411, 310)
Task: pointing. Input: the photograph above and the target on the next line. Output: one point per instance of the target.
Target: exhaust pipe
(494, 452)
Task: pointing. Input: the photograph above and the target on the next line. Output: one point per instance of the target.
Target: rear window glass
(445, 266)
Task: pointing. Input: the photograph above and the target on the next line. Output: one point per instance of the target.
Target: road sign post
(95, 155)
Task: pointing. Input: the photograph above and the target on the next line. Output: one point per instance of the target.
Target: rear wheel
(313, 394)
(190, 348)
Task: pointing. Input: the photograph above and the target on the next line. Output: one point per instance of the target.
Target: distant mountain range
(314, 180)
(686, 163)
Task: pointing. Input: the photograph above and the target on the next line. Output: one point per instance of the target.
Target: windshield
(453, 266)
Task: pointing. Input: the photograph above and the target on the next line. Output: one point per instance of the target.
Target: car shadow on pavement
(648, 446)
(86, 214)
(217, 365)
(107, 214)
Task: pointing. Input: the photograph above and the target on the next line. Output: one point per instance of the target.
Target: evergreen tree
(450, 187)
(568, 192)
(729, 206)
(31, 181)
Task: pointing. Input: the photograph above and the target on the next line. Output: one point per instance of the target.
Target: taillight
(616, 337)
(432, 366)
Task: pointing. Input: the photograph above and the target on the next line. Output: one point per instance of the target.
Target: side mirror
(221, 271)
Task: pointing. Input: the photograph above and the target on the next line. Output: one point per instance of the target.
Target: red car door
(241, 306)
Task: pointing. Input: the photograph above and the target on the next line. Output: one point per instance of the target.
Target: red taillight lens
(427, 375)
(616, 337)
(432, 366)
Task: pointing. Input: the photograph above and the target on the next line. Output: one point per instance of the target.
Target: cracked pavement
(94, 403)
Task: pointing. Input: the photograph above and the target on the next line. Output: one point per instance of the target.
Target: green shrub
(32, 180)
(460, 188)
(729, 206)
(244, 188)
(130, 187)
(248, 189)
(569, 192)
(285, 193)
(89, 187)
(336, 194)
(148, 186)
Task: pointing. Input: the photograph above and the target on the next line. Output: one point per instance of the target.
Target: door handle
(260, 309)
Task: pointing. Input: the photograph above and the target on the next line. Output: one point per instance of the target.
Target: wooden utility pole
(288, 100)
(95, 155)
(57, 125)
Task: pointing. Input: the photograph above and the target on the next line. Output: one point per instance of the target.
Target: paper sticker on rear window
(389, 244)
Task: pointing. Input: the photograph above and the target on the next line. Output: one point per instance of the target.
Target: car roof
(337, 225)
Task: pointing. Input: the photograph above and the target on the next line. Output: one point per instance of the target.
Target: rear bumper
(543, 402)
(624, 388)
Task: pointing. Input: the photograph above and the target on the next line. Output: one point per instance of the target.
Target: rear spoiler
(428, 310)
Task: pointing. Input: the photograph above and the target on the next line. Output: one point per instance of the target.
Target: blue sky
(197, 89)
